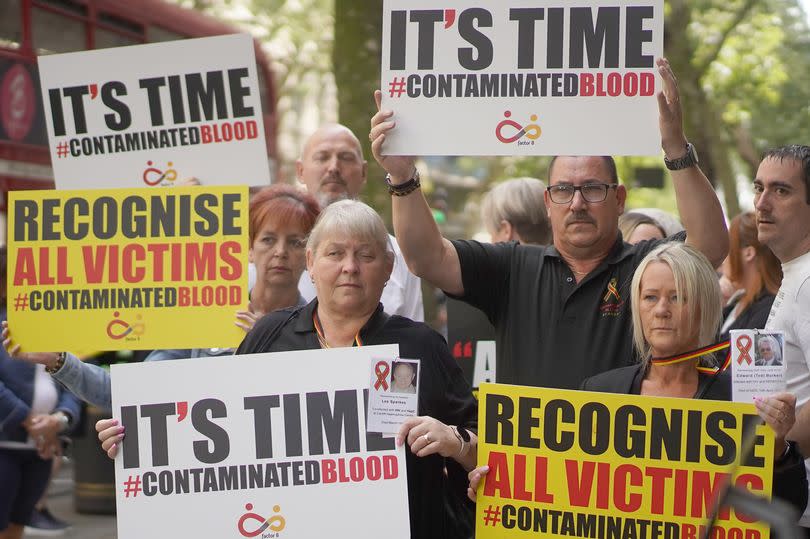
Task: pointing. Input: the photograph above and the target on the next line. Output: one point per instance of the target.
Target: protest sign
(581, 464)
(471, 338)
(151, 115)
(522, 77)
(280, 451)
(756, 363)
(127, 269)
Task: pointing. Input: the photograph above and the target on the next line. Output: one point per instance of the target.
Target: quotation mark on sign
(182, 410)
(21, 302)
(132, 486)
(93, 91)
(396, 87)
(449, 17)
(492, 517)
(62, 150)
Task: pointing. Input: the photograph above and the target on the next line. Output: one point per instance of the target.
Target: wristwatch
(464, 437)
(64, 420)
(60, 361)
(688, 160)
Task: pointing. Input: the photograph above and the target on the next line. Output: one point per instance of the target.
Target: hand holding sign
(14, 351)
(400, 168)
(779, 412)
(110, 434)
(475, 477)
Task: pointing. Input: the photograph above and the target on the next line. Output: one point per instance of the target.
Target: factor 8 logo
(612, 302)
(531, 131)
(154, 176)
(275, 523)
(118, 328)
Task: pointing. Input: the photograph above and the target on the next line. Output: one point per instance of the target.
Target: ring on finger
(426, 436)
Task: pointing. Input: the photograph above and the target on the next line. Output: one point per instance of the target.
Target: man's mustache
(580, 217)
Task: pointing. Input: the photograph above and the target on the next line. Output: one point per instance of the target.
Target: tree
(298, 37)
(356, 60)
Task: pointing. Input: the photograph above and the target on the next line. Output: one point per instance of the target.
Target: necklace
(579, 272)
(695, 354)
(322, 338)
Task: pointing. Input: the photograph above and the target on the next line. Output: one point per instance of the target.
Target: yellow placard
(582, 464)
(133, 269)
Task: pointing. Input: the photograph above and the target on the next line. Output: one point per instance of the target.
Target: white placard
(222, 447)
(393, 394)
(522, 77)
(155, 114)
(757, 363)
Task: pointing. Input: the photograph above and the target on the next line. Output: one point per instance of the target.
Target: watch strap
(688, 160)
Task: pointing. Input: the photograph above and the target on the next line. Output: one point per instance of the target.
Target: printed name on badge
(757, 367)
(394, 393)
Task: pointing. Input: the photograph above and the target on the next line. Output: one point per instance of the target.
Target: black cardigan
(753, 317)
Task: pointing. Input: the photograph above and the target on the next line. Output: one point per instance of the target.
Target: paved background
(60, 503)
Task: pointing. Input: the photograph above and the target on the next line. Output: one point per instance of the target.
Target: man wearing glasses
(561, 311)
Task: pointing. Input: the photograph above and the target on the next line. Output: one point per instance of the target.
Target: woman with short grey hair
(515, 210)
(354, 219)
(349, 259)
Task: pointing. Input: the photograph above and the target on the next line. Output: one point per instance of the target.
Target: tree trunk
(358, 27)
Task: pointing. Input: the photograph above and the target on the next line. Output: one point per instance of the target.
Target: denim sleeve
(89, 382)
(69, 404)
(13, 410)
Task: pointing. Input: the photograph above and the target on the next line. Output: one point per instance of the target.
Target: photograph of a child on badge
(404, 376)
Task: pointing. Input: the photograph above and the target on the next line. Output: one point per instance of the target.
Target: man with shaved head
(332, 168)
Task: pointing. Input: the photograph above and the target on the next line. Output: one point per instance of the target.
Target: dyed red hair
(742, 233)
(282, 205)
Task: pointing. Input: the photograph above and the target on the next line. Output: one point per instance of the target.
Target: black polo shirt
(551, 330)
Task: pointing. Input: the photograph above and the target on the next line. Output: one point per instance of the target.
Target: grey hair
(695, 284)
(518, 201)
(775, 346)
(354, 219)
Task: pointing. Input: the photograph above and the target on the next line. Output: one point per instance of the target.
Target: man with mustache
(332, 168)
(561, 311)
(782, 203)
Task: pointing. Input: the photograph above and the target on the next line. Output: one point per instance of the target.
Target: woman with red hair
(754, 271)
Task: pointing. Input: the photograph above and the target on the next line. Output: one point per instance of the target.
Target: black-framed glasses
(591, 192)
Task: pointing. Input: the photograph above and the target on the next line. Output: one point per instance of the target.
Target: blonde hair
(695, 284)
(520, 203)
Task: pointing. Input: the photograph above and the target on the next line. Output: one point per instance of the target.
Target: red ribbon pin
(744, 345)
(381, 370)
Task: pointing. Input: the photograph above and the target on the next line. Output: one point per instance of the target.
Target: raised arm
(90, 383)
(427, 253)
(698, 206)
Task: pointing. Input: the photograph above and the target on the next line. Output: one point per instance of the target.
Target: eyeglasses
(591, 192)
